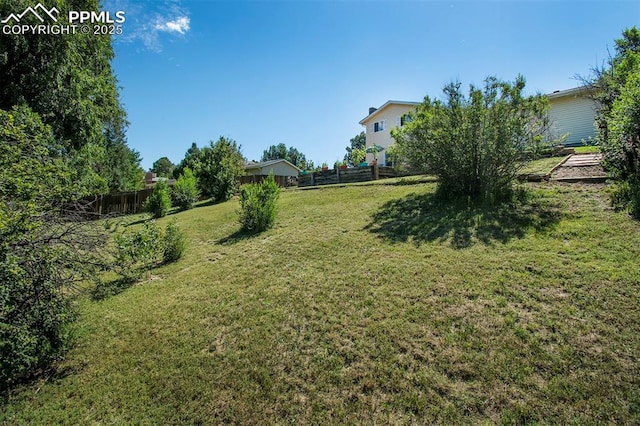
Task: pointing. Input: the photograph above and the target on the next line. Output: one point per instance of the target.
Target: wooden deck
(580, 160)
(584, 168)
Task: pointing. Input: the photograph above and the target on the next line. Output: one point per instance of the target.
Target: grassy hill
(368, 304)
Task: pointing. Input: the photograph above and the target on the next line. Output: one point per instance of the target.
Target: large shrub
(617, 90)
(476, 145)
(258, 205)
(45, 245)
(185, 190)
(141, 248)
(159, 202)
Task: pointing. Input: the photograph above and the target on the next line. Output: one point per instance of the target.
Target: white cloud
(145, 22)
(178, 25)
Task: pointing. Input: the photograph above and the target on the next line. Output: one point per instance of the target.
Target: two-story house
(380, 121)
(571, 113)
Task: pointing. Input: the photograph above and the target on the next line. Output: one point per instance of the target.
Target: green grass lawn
(589, 149)
(368, 304)
(542, 165)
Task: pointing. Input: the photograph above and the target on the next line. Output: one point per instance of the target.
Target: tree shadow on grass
(426, 217)
(236, 237)
(104, 290)
(53, 372)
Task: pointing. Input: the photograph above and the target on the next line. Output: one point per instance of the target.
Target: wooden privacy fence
(119, 203)
(355, 174)
(282, 181)
(133, 201)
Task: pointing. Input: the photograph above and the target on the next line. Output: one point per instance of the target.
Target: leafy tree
(357, 156)
(220, 166)
(125, 172)
(159, 202)
(358, 142)
(616, 88)
(275, 152)
(87, 166)
(296, 158)
(163, 167)
(280, 151)
(475, 145)
(191, 160)
(68, 80)
(46, 244)
(393, 156)
(62, 136)
(185, 190)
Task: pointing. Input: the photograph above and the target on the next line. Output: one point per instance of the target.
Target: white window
(379, 126)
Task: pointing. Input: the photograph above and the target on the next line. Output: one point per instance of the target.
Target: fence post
(376, 173)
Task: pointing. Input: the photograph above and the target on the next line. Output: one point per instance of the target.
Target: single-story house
(572, 113)
(284, 172)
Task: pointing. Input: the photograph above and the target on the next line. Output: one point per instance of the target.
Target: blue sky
(304, 73)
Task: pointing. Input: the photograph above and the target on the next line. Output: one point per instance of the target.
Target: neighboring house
(150, 180)
(380, 121)
(277, 167)
(284, 172)
(571, 112)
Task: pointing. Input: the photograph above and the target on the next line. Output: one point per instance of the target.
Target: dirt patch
(578, 172)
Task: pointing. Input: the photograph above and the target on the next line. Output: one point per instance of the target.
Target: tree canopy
(217, 167)
(62, 136)
(357, 142)
(68, 81)
(280, 151)
(163, 167)
(616, 88)
(191, 161)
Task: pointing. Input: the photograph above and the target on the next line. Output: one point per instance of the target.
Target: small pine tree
(159, 202)
(185, 191)
(258, 205)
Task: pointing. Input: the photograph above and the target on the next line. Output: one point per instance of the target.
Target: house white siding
(387, 116)
(573, 115)
(279, 169)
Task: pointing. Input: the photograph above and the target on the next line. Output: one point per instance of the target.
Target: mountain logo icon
(39, 11)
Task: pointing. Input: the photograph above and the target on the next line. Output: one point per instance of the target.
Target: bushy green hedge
(34, 314)
(617, 90)
(159, 202)
(185, 190)
(258, 205)
(475, 144)
(43, 248)
(174, 243)
(137, 249)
